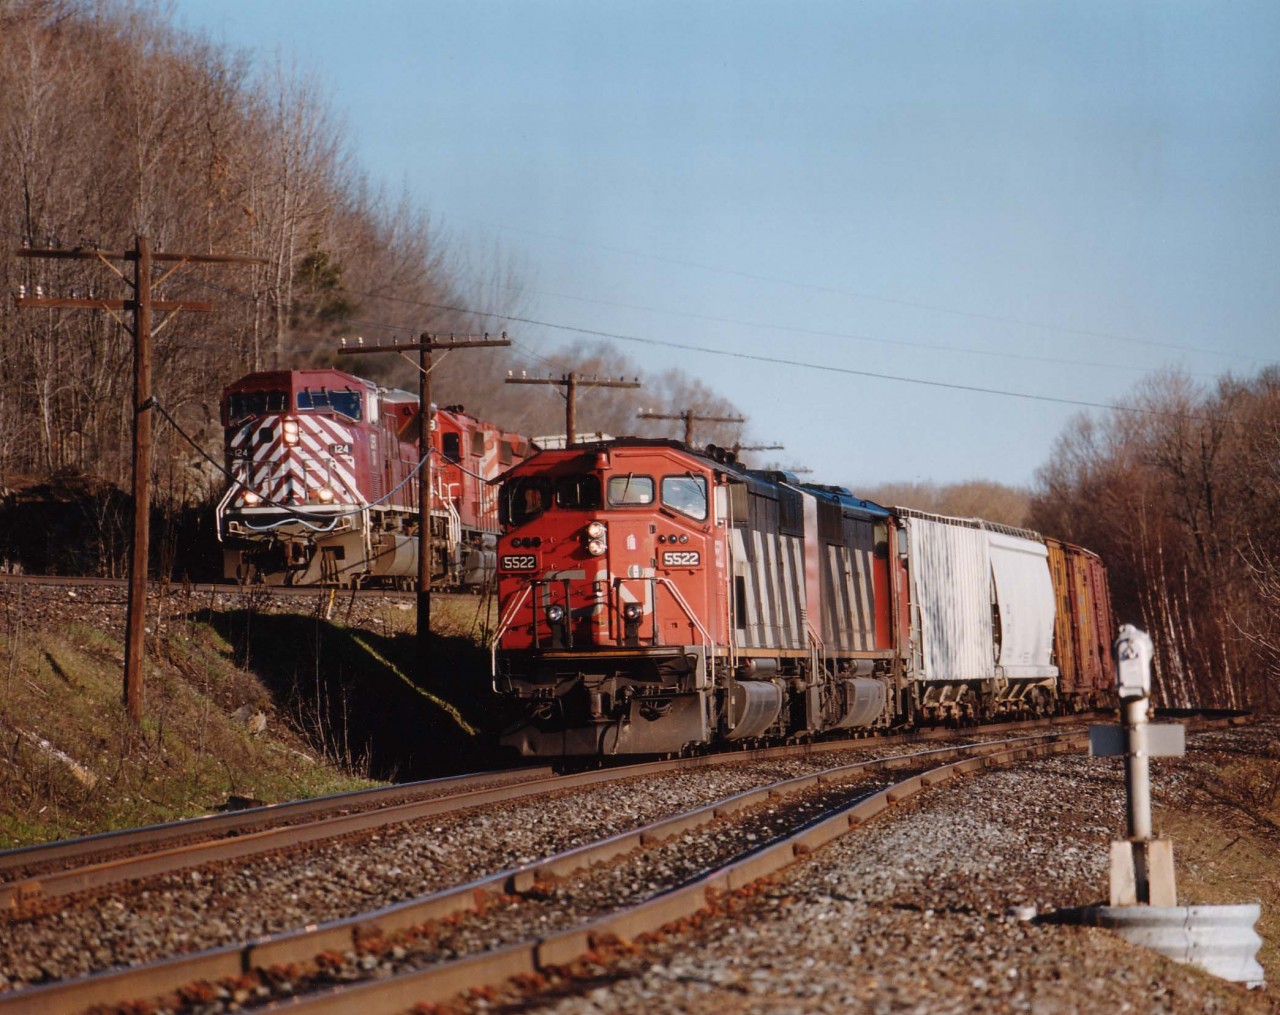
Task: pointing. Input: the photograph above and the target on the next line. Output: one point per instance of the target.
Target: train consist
(657, 599)
(325, 472)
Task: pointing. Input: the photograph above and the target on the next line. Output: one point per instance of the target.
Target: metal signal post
(141, 307)
(425, 346)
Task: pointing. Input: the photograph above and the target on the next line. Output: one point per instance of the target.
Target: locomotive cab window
(242, 404)
(580, 492)
(630, 490)
(686, 494)
(451, 446)
(525, 499)
(344, 403)
(477, 443)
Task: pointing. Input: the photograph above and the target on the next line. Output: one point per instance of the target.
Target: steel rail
(302, 946)
(241, 821)
(245, 822)
(444, 981)
(172, 588)
(20, 897)
(37, 893)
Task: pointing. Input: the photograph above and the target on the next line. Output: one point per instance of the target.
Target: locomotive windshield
(630, 490)
(242, 404)
(686, 494)
(345, 403)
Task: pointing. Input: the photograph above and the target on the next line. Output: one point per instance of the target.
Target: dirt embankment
(247, 697)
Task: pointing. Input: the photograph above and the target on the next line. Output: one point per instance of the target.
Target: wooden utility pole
(570, 382)
(141, 307)
(425, 346)
(689, 416)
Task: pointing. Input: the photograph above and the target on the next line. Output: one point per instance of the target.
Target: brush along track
(676, 866)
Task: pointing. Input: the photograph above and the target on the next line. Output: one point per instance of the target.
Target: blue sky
(1052, 198)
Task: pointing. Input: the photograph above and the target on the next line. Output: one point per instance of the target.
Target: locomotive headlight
(324, 494)
(251, 498)
(632, 612)
(290, 430)
(555, 613)
(597, 538)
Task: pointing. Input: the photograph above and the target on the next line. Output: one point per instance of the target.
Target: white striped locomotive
(324, 483)
(657, 599)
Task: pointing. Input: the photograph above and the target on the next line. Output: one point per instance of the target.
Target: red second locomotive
(325, 475)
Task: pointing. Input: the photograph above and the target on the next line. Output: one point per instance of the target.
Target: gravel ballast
(233, 902)
(924, 910)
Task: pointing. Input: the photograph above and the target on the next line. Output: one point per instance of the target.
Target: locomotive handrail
(819, 651)
(221, 509)
(453, 520)
(504, 622)
(709, 641)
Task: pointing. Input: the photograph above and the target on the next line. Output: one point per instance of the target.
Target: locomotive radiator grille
(279, 473)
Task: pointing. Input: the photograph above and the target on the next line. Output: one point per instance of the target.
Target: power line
(914, 304)
(822, 367)
(851, 336)
(757, 358)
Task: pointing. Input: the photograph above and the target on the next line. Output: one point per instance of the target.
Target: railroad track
(365, 934)
(208, 588)
(33, 879)
(430, 948)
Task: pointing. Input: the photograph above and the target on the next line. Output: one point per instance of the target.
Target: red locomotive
(657, 599)
(325, 477)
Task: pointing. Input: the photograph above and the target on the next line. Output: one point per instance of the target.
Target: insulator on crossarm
(359, 340)
(342, 342)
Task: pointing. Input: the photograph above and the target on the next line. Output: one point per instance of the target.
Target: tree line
(1179, 490)
(115, 123)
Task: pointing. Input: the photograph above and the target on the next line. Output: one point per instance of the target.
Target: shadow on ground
(360, 698)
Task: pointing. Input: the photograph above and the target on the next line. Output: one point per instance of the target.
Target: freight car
(324, 483)
(657, 599)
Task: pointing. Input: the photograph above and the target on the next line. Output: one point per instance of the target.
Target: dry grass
(1227, 843)
(71, 763)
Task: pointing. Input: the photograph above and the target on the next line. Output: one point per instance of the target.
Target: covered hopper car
(655, 598)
